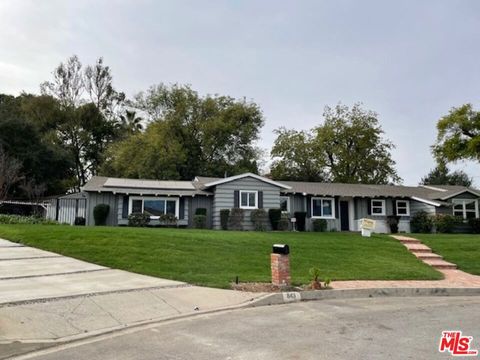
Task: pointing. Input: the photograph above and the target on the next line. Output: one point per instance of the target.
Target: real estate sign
(367, 225)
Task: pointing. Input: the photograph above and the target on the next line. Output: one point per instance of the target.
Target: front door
(344, 221)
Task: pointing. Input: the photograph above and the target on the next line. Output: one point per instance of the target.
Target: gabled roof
(241, 176)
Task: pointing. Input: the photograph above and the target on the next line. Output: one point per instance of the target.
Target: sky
(409, 61)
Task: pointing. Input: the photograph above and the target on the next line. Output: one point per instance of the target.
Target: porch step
(440, 264)
(418, 248)
(410, 241)
(426, 255)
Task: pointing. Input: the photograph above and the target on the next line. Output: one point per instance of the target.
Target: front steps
(424, 253)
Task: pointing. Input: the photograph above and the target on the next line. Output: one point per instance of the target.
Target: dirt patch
(267, 287)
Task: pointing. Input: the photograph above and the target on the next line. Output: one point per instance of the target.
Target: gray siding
(200, 202)
(417, 206)
(66, 210)
(223, 198)
(93, 199)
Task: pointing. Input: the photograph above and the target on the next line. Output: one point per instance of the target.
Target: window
(465, 208)
(285, 204)
(403, 207)
(248, 199)
(323, 208)
(154, 206)
(378, 207)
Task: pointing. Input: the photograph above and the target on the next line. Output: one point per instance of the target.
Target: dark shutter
(394, 202)
(236, 200)
(181, 210)
(125, 207)
(337, 207)
(369, 206)
(309, 206)
(260, 199)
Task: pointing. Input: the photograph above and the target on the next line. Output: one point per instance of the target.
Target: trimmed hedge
(138, 219)
(301, 217)
(392, 222)
(235, 219)
(259, 218)
(200, 221)
(224, 216)
(283, 224)
(275, 215)
(19, 219)
(201, 211)
(319, 225)
(474, 225)
(421, 222)
(100, 214)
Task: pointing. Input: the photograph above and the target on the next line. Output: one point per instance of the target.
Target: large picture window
(378, 207)
(465, 208)
(323, 208)
(154, 206)
(248, 199)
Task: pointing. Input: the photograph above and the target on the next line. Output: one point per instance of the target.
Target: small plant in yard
(393, 221)
(235, 219)
(283, 224)
(327, 282)
(79, 221)
(224, 215)
(100, 214)
(421, 222)
(319, 225)
(138, 219)
(315, 274)
(168, 219)
(275, 216)
(474, 225)
(259, 219)
(200, 221)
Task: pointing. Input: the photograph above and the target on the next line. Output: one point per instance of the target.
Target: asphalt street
(376, 328)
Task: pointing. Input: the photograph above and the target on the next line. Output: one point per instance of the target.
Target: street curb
(289, 297)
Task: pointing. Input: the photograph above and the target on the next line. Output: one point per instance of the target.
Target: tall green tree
(458, 135)
(441, 175)
(348, 147)
(213, 135)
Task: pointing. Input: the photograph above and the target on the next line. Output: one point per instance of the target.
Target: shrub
(283, 224)
(200, 221)
(168, 219)
(138, 219)
(319, 225)
(259, 218)
(235, 219)
(201, 211)
(275, 215)
(80, 221)
(314, 278)
(224, 216)
(19, 219)
(300, 216)
(392, 222)
(421, 222)
(445, 223)
(474, 225)
(100, 214)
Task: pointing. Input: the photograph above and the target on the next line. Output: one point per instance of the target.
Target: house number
(291, 296)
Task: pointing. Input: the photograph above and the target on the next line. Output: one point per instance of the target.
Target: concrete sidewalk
(48, 298)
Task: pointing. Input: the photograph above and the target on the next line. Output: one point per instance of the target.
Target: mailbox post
(280, 265)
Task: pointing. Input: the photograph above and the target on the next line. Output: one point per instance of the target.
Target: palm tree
(130, 122)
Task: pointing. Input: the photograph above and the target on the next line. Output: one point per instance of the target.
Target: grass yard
(461, 249)
(215, 258)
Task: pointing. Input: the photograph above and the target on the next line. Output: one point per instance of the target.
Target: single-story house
(341, 205)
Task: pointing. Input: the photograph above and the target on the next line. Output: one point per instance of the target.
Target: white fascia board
(241, 176)
(429, 202)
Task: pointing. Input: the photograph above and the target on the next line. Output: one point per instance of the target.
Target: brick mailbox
(280, 265)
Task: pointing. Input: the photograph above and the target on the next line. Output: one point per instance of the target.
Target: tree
(296, 157)
(441, 175)
(348, 147)
(458, 135)
(130, 123)
(10, 173)
(212, 135)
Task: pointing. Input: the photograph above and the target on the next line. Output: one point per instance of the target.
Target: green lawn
(215, 258)
(461, 249)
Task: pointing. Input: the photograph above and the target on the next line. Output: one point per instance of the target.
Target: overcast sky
(410, 61)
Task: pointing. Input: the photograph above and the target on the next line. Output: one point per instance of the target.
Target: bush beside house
(319, 225)
(100, 214)
(224, 216)
(259, 219)
(235, 219)
(421, 222)
(138, 219)
(301, 219)
(275, 215)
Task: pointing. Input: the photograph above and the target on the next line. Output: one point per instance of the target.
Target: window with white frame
(285, 204)
(248, 199)
(378, 207)
(154, 206)
(465, 208)
(323, 208)
(403, 207)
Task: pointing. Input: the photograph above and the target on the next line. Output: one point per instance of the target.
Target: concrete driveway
(47, 298)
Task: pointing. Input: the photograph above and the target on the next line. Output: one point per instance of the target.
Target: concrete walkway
(46, 297)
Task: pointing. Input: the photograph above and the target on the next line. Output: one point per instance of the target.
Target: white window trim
(464, 207)
(288, 203)
(143, 198)
(407, 206)
(248, 207)
(323, 198)
(383, 207)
